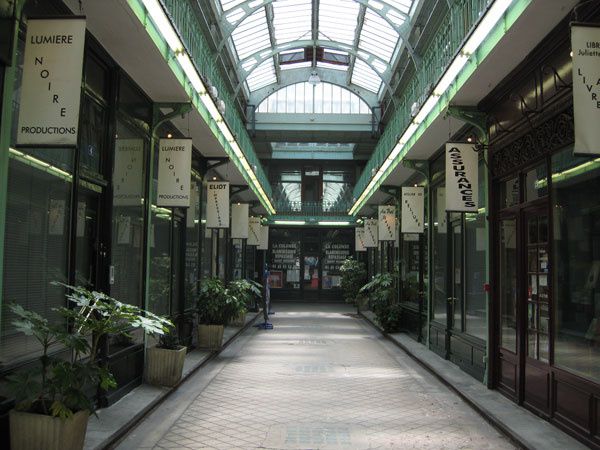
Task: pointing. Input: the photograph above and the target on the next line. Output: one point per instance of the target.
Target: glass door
(455, 288)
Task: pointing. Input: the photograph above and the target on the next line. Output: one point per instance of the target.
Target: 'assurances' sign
(462, 180)
(51, 85)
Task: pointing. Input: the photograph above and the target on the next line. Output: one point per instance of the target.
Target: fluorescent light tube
(190, 71)
(163, 24)
(486, 25)
(330, 223)
(451, 73)
(289, 222)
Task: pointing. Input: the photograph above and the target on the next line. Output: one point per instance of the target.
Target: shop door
(455, 279)
(523, 288)
(311, 270)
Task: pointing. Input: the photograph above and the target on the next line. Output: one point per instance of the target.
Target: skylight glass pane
(332, 66)
(297, 65)
(252, 34)
(377, 36)
(402, 5)
(364, 76)
(337, 20)
(292, 20)
(226, 5)
(262, 76)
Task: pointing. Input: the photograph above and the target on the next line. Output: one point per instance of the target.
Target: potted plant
(242, 294)
(164, 361)
(380, 291)
(354, 275)
(214, 311)
(52, 402)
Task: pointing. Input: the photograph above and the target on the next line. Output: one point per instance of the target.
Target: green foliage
(354, 275)
(380, 291)
(216, 305)
(169, 340)
(58, 387)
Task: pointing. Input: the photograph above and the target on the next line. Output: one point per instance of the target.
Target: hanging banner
(51, 84)
(254, 231)
(128, 179)
(413, 209)
(264, 238)
(371, 233)
(239, 221)
(174, 169)
(462, 161)
(441, 210)
(386, 223)
(585, 45)
(359, 239)
(217, 204)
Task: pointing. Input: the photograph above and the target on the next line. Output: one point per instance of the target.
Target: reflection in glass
(508, 283)
(440, 244)
(576, 269)
(475, 259)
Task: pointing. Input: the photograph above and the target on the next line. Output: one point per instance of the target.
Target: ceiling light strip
(169, 34)
(492, 16)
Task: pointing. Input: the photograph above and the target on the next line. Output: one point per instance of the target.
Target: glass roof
(370, 32)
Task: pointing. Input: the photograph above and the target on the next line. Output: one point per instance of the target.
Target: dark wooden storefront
(533, 310)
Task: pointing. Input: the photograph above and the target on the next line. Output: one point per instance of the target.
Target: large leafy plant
(354, 275)
(216, 305)
(380, 291)
(59, 386)
(244, 292)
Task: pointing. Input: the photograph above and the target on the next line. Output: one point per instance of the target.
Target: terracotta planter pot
(210, 336)
(37, 431)
(164, 366)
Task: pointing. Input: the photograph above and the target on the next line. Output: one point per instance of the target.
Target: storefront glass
(285, 259)
(576, 256)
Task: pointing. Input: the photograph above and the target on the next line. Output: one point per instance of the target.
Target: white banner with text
(239, 221)
(128, 179)
(264, 238)
(254, 231)
(174, 169)
(51, 84)
(371, 233)
(413, 209)
(386, 223)
(359, 237)
(462, 181)
(217, 204)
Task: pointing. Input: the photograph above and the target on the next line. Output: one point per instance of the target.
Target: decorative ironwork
(546, 137)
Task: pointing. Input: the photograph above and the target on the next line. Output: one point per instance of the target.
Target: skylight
(338, 20)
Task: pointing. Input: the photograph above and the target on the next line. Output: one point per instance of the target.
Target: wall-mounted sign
(128, 180)
(264, 238)
(462, 181)
(174, 169)
(217, 204)
(371, 233)
(441, 210)
(359, 238)
(413, 209)
(254, 231)
(585, 44)
(239, 221)
(51, 85)
(387, 223)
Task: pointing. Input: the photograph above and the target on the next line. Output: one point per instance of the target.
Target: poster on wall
(413, 209)
(51, 84)
(264, 238)
(217, 204)
(128, 179)
(462, 161)
(254, 231)
(359, 239)
(371, 233)
(441, 210)
(585, 44)
(239, 221)
(386, 223)
(174, 168)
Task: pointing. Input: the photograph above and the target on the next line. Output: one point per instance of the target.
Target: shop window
(440, 254)
(206, 237)
(285, 259)
(128, 214)
(509, 193)
(337, 247)
(536, 185)
(192, 243)
(92, 139)
(576, 271)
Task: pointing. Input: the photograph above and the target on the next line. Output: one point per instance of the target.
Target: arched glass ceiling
(305, 98)
(362, 37)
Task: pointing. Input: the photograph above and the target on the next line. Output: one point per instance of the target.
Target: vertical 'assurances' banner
(174, 169)
(413, 209)
(386, 223)
(254, 231)
(585, 44)
(462, 181)
(217, 204)
(51, 85)
(239, 221)
(359, 237)
(128, 179)
(371, 233)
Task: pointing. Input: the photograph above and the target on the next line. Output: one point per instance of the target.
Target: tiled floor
(321, 379)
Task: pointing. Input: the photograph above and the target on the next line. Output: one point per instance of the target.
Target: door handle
(451, 300)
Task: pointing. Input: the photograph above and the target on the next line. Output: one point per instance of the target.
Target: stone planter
(239, 320)
(210, 336)
(38, 431)
(164, 366)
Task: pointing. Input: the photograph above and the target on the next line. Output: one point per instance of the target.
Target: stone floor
(323, 379)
